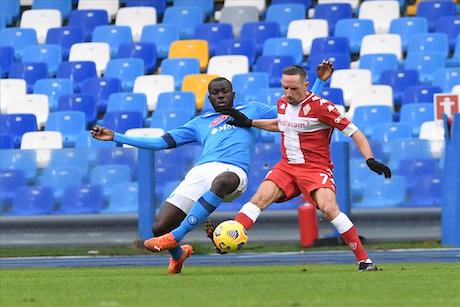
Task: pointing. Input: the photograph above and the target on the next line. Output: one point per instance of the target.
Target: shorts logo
(218, 120)
(192, 220)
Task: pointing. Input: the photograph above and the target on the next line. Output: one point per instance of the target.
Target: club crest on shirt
(218, 120)
(306, 109)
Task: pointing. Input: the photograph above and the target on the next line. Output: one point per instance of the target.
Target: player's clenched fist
(101, 133)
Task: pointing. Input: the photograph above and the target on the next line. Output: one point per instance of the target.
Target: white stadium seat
(111, 6)
(351, 81)
(307, 30)
(434, 132)
(11, 90)
(228, 65)
(42, 142)
(136, 18)
(380, 12)
(36, 104)
(374, 95)
(381, 43)
(99, 53)
(152, 86)
(41, 21)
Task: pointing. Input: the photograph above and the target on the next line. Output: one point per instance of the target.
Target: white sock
(251, 211)
(342, 223)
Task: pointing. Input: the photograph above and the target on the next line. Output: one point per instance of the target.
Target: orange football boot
(175, 266)
(161, 243)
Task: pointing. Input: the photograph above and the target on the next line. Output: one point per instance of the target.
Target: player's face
(221, 95)
(295, 89)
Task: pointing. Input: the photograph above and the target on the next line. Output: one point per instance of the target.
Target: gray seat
(237, 16)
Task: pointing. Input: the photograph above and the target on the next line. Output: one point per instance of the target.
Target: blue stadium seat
(6, 59)
(24, 160)
(87, 21)
(377, 63)
(85, 140)
(213, 33)
(18, 38)
(2, 22)
(415, 114)
(259, 32)
(385, 193)
(122, 121)
(60, 178)
(131, 102)
(126, 70)
(354, 29)
(124, 198)
(82, 199)
(333, 94)
(10, 9)
(406, 149)
(359, 174)
(420, 94)
(237, 47)
(113, 35)
(269, 96)
(185, 17)
(167, 119)
(79, 102)
(16, 125)
(306, 3)
(267, 153)
(145, 51)
(49, 54)
(64, 6)
(407, 27)
(425, 64)
(10, 181)
(108, 175)
(454, 61)
(399, 80)
(415, 168)
(339, 60)
(330, 45)
(447, 78)
(179, 68)
(429, 192)
(273, 65)
(366, 117)
(77, 72)
(6, 141)
(207, 6)
(65, 37)
(429, 42)
(284, 46)
(32, 201)
(434, 10)
(180, 100)
(73, 158)
(333, 12)
(69, 123)
(283, 14)
(162, 35)
(159, 5)
(101, 89)
(53, 88)
(250, 84)
(391, 131)
(30, 72)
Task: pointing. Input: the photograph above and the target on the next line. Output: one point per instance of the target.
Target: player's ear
(306, 83)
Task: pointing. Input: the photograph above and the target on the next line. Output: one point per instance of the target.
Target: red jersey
(306, 130)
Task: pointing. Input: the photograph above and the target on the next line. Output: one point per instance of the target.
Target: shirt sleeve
(185, 134)
(145, 142)
(318, 86)
(329, 114)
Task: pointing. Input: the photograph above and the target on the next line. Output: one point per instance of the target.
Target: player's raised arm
(324, 71)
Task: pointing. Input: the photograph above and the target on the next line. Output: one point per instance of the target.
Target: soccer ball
(230, 236)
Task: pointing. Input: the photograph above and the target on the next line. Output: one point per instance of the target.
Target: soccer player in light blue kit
(220, 173)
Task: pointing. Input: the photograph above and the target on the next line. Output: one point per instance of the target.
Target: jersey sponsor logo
(218, 120)
(222, 128)
(290, 124)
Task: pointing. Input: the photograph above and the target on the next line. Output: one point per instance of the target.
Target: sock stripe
(209, 207)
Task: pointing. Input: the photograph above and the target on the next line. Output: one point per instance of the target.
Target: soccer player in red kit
(306, 122)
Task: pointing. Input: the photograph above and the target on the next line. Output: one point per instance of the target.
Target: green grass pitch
(297, 285)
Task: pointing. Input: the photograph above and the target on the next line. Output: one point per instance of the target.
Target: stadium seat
(306, 3)
(145, 51)
(87, 20)
(355, 30)
(284, 46)
(77, 72)
(385, 193)
(432, 130)
(207, 6)
(136, 18)
(179, 68)
(110, 6)
(41, 21)
(382, 43)
(365, 117)
(359, 174)
(18, 38)
(429, 42)
(237, 16)
(429, 192)
(174, 101)
(101, 89)
(415, 114)
(124, 156)
(64, 6)
(332, 12)
(162, 35)
(259, 4)
(269, 96)
(414, 169)
(283, 14)
(407, 27)
(85, 140)
(10, 10)
(32, 201)
(16, 125)
(447, 78)
(190, 49)
(53, 88)
(158, 5)
(237, 47)
(6, 59)
(10, 91)
(6, 141)
(198, 84)
(112, 35)
(23, 160)
(391, 131)
(339, 60)
(126, 70)
(405, 149)
(99, 53)
(152, 86)
(373, 95)
(121, 102)
(332, 94)
(30, 72)
(124, 198)
(399, 80)
(377, 63)
(81, 199)
(330, 45)
(65, 37)
(60, 178)
(122, 121)
(351, 81)
(36, 104)
(425, 64)
(259, 32)
(79, 159)
(307, 30)
(69, 123)
(10, 181)
(434, 10)
(42, 142)
(168, 119)
(250, 84)
(381, 13)
(79, 102)
(213, 33)
(454, 61)
(228, 65)
(108, 175)
(51, 55)
(186, 18)
(273, 65)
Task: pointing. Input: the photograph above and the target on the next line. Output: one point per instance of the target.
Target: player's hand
(239, 119)
(209, 227)
(378, 167)
(101, 133)
(325, 70)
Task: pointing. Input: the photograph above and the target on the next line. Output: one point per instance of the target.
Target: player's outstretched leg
(175, 266)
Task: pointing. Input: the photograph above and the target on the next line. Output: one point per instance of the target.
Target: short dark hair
(220, 79)
(293, 70)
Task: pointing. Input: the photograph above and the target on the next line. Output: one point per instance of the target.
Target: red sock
(244, 220)
(352, 239)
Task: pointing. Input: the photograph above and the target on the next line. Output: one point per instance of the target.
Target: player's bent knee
(226, 183)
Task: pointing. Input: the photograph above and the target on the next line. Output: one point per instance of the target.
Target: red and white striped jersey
(306, 129)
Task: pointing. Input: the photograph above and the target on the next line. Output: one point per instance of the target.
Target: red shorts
(296, 179)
